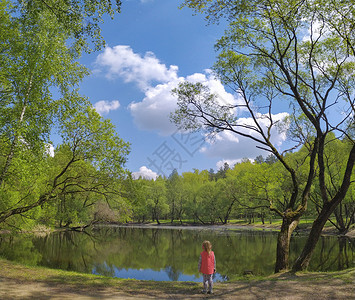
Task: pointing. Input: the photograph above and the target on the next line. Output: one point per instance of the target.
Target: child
(207, 266)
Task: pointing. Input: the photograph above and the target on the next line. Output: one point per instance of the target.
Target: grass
(14, 270)
(76, 284)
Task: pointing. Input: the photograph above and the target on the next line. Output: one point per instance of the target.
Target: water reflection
(167, 254)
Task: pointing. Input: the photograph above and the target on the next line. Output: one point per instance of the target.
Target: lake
(169, 254)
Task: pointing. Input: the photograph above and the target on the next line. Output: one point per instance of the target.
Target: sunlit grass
(19, 271)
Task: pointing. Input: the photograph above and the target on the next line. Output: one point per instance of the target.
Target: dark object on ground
(248, 272)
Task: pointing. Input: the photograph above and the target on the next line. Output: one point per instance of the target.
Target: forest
(249, 191)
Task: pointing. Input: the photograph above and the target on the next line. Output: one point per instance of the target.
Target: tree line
(251, 191)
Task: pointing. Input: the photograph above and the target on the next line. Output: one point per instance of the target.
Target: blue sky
(151, 47)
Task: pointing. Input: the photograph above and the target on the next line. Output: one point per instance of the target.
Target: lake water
(169, 254)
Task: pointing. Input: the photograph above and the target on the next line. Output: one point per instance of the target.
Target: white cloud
(104, 107)
(153, 112)
(215, 86)
(232, 147)
(314, 31)
(121, 61)
(230, 162)
(144, 172)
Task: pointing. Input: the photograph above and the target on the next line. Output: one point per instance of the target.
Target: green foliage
(253, 191)
(175, 196)
(39, 73)
(80, 19)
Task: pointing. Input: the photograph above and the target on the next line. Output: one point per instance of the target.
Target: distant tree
(222, 171)
(259, 159)
(138, 194)
(271, 159)
(207, 199)
(192, 182)
(344, 213)
(157, 199)
(228, 196)
(212, 175)
(174, 195)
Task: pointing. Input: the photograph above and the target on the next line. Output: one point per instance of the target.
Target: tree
(334, 152)
(41, 41)
(259, 159)
(90, 160)
(208, 203)
(222, 171)
(256, 188)
(34, 59)
(157, 199)
(228, 195)
(80, 19)
(192, 182)
(270, 159)
(296, 51)
(135, 192)
(175, 195)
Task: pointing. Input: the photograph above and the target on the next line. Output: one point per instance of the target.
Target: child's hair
(207, 246)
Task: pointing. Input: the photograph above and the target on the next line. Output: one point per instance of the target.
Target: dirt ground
(283, 288)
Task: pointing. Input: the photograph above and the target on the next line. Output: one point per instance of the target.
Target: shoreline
(271, 228)
(304, 230)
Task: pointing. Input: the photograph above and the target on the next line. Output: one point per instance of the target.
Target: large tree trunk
(328, 208)
(303, 260)
(338, 213)
(283, 243)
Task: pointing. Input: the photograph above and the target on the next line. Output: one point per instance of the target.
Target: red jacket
(207, 262)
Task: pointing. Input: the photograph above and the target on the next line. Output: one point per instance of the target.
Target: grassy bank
(23, 282)
(13, 270)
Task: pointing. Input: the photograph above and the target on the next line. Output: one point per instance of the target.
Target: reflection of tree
(19, 248)
(346, 252)
(325, 254)
(343, 258)
(332, 254)
(105, 270)
(176, 252)
(172, 273)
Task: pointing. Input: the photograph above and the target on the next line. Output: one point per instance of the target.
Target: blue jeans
(207, 282)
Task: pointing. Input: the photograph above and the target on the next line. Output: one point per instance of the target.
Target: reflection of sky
(149, 274)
